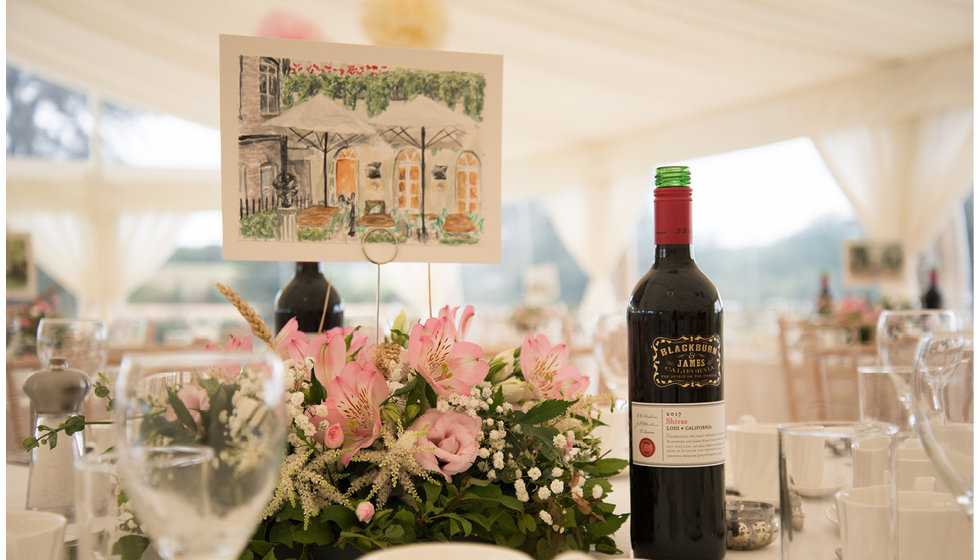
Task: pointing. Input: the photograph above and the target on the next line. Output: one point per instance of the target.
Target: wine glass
(83, 343)
(201, 437)
(942, 402)
(899, 331)
(609, 346)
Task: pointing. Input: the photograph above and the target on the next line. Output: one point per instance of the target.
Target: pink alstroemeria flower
(450, 366)
(331, 353)
(464, 321)
(355, 398)
(291, 342)
(228, 371)
(195, 399)
(545, 369)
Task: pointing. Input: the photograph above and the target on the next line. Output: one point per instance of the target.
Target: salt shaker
(55, 393)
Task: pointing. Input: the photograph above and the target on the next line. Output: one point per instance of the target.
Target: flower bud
(412, 412)
(390, 414)
(501, 366)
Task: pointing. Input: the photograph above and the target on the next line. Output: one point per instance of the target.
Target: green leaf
(464, 524)
(29, 443)
(545, 436)
(545, 410)
(432, 492)
(316, 534)
(318, 393)
(282, 533)
(605, 467)
(74, 424)
(183, 415)
(260, 547)
(339, 514)
(130, 547)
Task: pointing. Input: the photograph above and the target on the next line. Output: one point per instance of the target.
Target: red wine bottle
(825, 303)
(932, 299)
(303, 296)
(677, 411)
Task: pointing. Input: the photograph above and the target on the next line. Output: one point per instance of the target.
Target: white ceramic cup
(932, 525)
(38, 535)
(868, 518)
(913, 463)
(805, 454)
(754, 451)
(872, 456)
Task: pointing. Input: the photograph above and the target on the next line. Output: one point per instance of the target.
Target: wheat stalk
(259, 327)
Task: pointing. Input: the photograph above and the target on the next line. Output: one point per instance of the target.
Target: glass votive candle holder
(750, 525)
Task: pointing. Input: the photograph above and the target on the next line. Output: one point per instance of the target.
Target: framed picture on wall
(869, 263)
(21, 276)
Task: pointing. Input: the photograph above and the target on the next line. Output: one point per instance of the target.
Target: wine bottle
(303, 296)
(825, 303)
(677, 410)
(932, 299)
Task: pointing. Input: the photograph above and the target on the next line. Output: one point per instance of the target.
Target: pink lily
(464, 321)
(355, 398)
(545, 370)
(228, 371)
(450, 366)
(290, 341)
(330, 352)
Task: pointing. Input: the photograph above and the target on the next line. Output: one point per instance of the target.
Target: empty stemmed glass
(200, 441)
(609, 346)
(899, 331)
(942, 402)
(83, 343)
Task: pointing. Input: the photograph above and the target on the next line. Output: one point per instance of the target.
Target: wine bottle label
(687, 361)
(678, 435)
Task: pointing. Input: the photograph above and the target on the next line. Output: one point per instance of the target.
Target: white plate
(428, 551)
(831, 484)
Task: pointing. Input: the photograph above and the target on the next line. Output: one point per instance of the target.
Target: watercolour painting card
(328, 148)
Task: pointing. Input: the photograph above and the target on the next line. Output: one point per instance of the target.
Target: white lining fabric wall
(907, 182)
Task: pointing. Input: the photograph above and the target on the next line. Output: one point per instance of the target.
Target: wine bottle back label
(678, 435)
(687, 361)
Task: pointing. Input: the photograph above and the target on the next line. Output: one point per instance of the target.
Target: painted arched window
(467, 182)
(346, 173)
(408, 174)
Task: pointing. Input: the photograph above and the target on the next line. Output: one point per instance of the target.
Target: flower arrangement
(853, 311)
(419, 438)
(22, 322)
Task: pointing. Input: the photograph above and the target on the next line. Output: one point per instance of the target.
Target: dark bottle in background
(677, 410)
(303, 296)
(825, 303)
(932, 299)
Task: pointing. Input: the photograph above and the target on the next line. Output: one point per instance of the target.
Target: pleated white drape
(907, 181)
(100, 258)
(596, 221)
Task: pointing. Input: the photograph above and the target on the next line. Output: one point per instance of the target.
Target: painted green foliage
(447, 87)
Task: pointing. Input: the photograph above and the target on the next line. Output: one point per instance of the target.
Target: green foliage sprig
(75, 423)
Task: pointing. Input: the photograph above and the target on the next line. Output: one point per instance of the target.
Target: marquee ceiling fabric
(576, 73)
